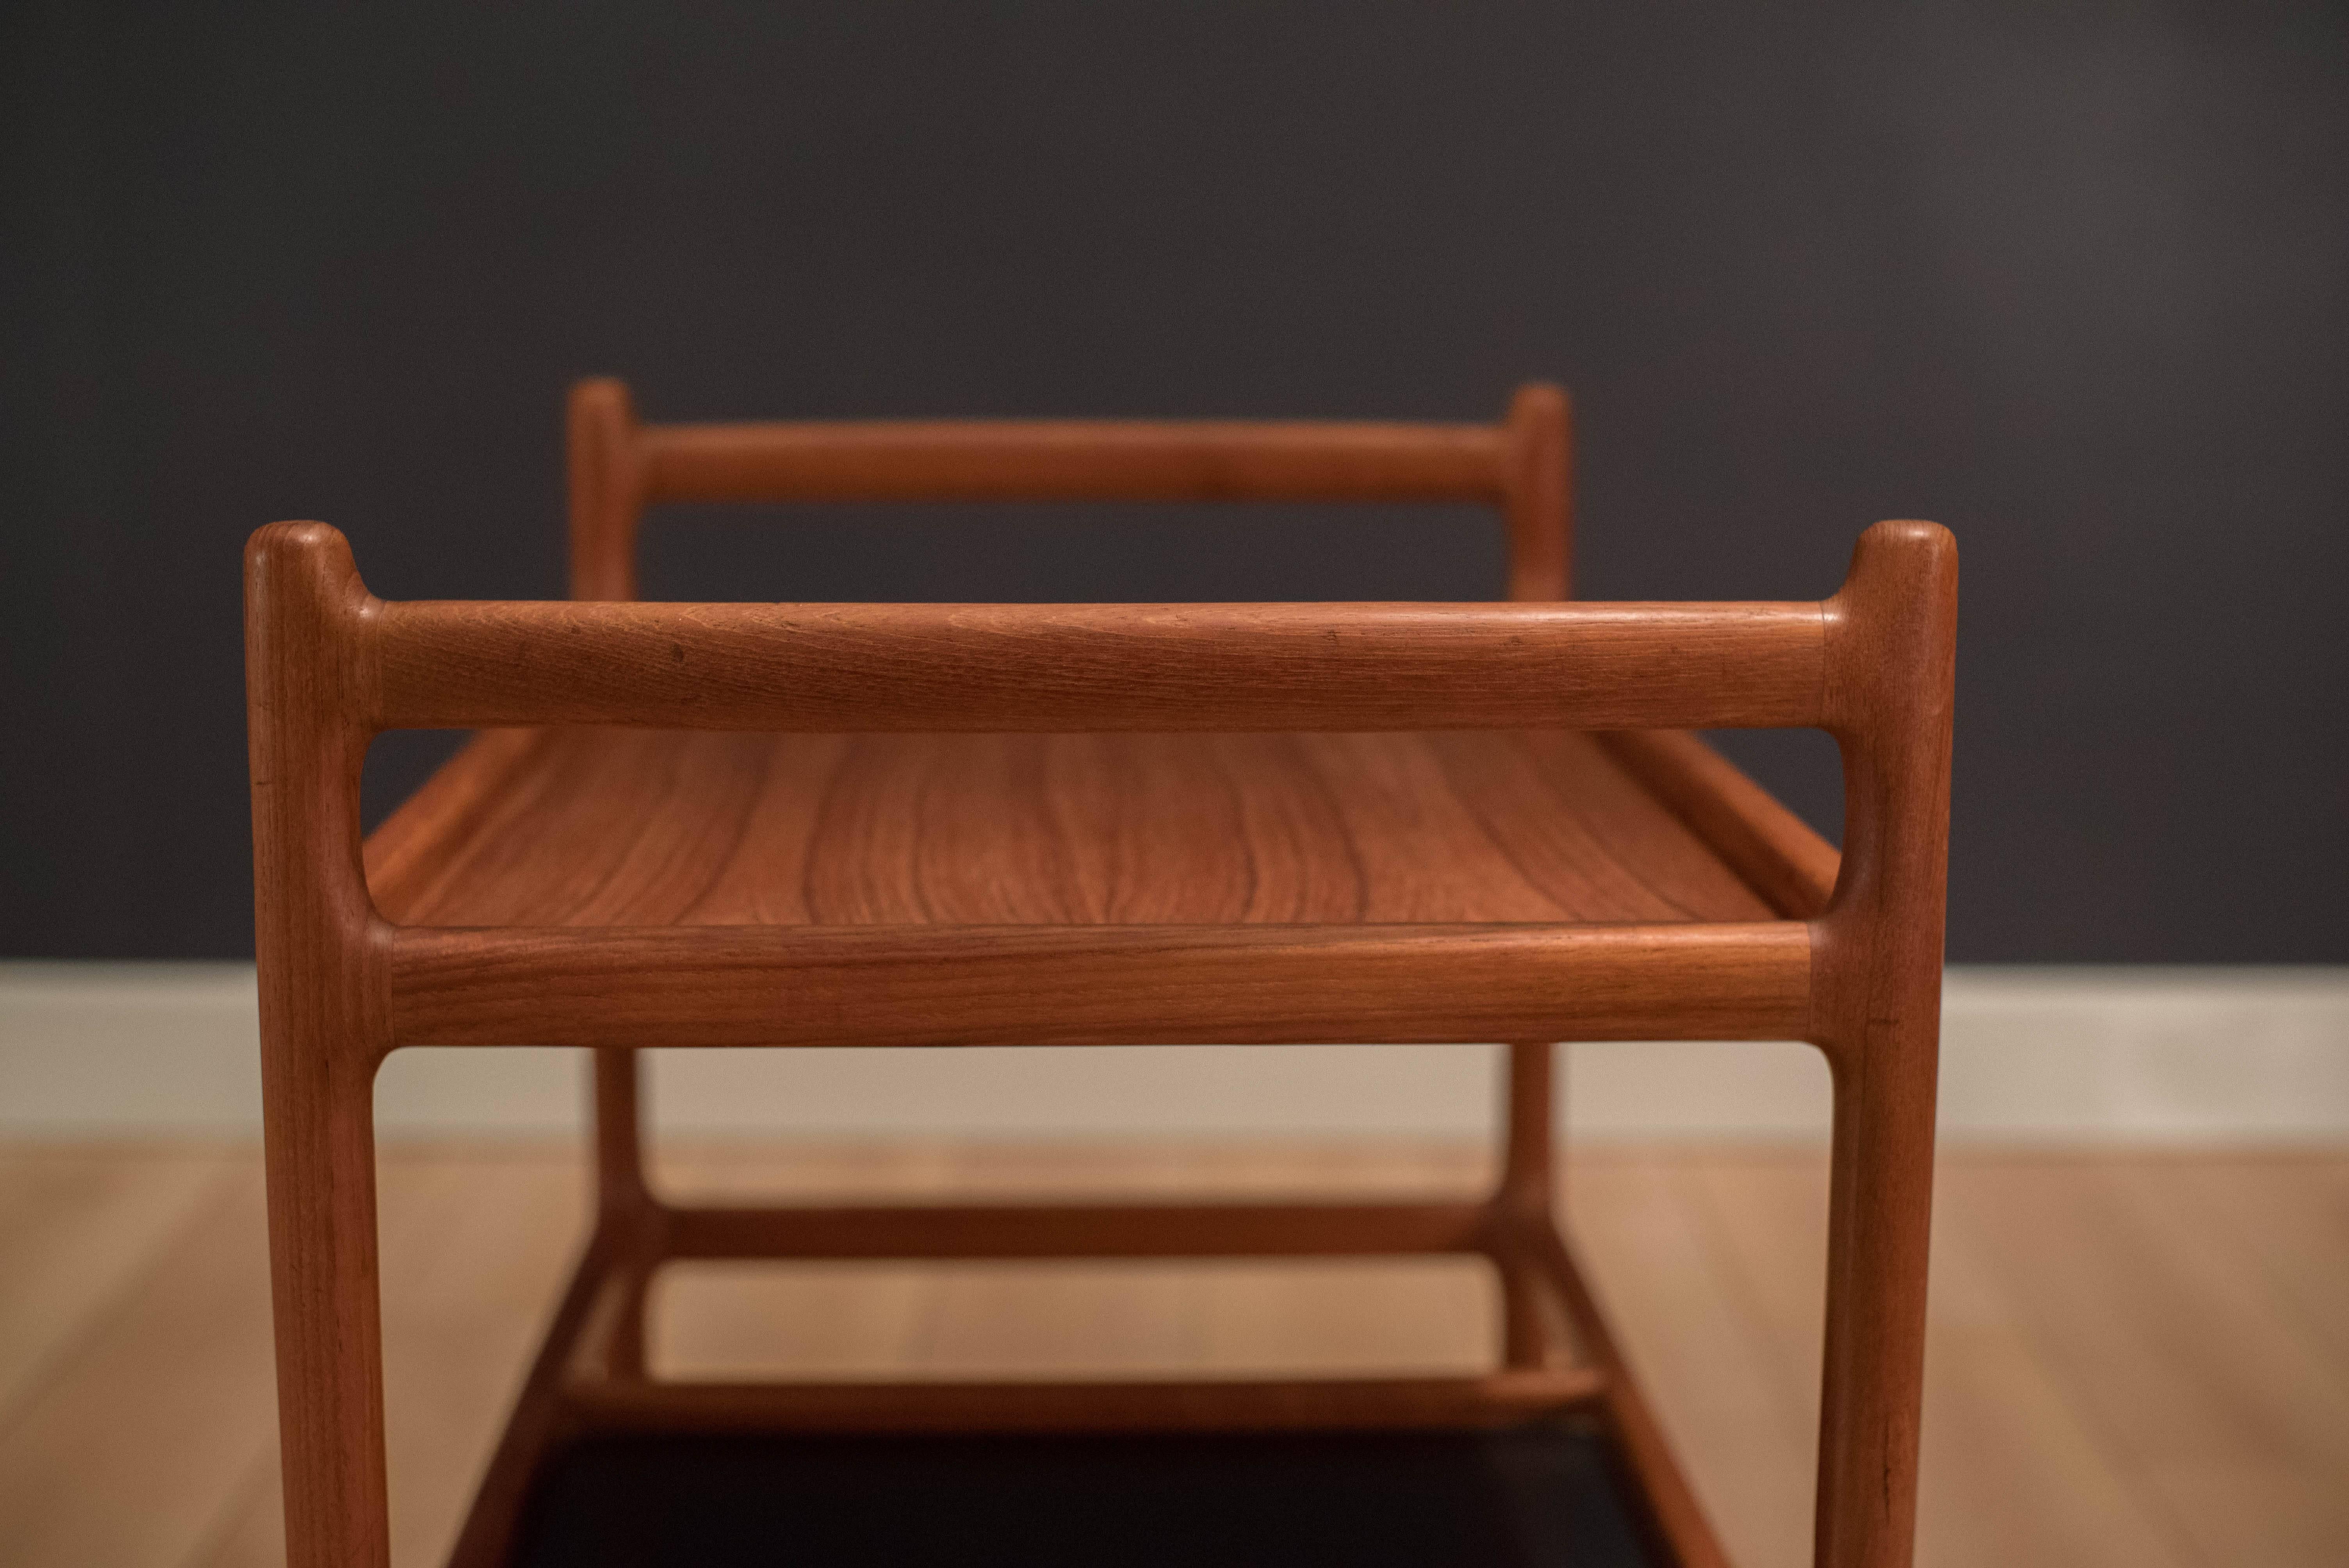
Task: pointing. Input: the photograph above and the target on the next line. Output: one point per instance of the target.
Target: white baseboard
(2056, 1055)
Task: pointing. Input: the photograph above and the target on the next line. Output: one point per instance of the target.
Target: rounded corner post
(1538, 502)
(630, 1222)
(313, 699)
(1875, 988)
(609, 486)
(1537, 492)
(1523, 1200)
(311, 706)
(607, 476)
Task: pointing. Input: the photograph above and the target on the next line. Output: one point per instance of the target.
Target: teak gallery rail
(1842, 952)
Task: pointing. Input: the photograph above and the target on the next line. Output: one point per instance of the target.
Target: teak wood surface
(758, 825)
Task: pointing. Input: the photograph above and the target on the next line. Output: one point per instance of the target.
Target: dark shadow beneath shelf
(1542, 1496)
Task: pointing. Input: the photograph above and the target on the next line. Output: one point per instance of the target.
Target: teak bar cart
(983, 824)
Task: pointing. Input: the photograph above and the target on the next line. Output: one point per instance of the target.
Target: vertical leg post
(607, 479)
(607, 487)
(319, 1132)
(1875, 988)
(1880, 1199)
(1525, 1198)
(1537, 490)
(626, 1213)
(322, 1035)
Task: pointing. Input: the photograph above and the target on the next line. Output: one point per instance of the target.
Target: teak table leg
(626, 1210)
(1525, 1196)
(321, 1034)
(317, 1121)
(1877, 991)
(1879, 1202)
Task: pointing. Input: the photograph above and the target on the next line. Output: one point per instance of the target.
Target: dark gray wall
(2070, 281)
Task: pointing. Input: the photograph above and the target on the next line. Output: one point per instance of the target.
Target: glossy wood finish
(1089, 667)
(611, 827)
(619, 466)
(1227, 1230)
(1876, 1013)
(1072, 461)
(1777, 853)
(1537, 493)
(321, 1032)
(782, 884)
(1119, 984)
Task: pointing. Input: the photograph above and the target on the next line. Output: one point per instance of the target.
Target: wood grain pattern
(751, 986)
(1117, 882)
(1073, 459)
(321, 1032)
(2100, 1395)
(1775, 851)
(1891, 687)
(646, 828)
(619, 465)
(160, 1408)
(77, 1227)
(1063, 668)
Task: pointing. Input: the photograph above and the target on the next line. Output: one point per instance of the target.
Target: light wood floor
(2138, 1360)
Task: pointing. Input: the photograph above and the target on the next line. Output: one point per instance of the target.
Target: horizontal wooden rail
(1496, 1399)
(1076, 667)
(1672, 1500)
(1072, 461)
(596, 1391)
(1077, 1231)
(1779, 855)
(975, 985)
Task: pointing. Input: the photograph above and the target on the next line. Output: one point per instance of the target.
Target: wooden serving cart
(879, 825)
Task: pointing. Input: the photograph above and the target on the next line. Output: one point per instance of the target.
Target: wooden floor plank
(2277, 1493)
(78, 1226)
(2014, 1470)
(1411, 1318)
(966, 1320)
(474, 1248)
(745, 1320)
(2280, 1226)
(132, 1452)
(2132, 1359)
(1764, 1216)
(2236, 1432)
(2011, 1475)
(480, 1248)
(1702, 1356)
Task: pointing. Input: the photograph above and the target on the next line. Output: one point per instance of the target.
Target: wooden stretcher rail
(1077, 1231)
(1496, 1399)
(1677, 1513)
(1072, 461)
(1078, 667)
(978, 985)
(1780, 856)
(597, 1393)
